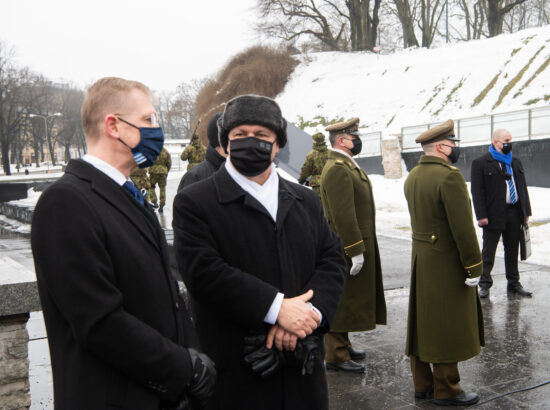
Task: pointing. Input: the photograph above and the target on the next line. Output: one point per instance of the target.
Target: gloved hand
(472, 282)
(201, 386)
(356, 264)
(259, 358)
(265, 362)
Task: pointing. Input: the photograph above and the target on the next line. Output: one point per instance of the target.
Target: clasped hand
(296, 320)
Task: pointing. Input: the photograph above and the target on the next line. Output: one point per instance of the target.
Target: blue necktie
(131, 188)
(513, 196)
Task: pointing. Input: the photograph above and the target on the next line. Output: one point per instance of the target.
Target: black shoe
(347, 366)
(424, 395)
(483, 293)
(518, 290)
(356, 354)
(461, 399)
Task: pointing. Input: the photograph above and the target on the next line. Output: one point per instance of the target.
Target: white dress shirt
(107, 169)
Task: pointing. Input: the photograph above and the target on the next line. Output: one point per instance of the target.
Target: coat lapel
(114, 194)
(287, 197)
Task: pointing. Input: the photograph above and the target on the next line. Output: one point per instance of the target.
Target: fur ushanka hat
(254, 110)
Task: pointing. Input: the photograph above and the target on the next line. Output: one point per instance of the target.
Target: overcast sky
(158, 42)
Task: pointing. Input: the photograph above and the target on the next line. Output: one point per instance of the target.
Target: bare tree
(406, 13)
(474, 15)
(14, 90)
(496, 11)
(430, 14)
(363, 23)
(323, 20)
(69, 125)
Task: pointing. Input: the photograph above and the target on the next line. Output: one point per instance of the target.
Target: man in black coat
(118, 331)
(502, 206)
(264, 270)
(214, 158)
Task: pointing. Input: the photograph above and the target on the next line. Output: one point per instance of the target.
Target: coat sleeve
(330, 271)
(458, 208)
(238, 295)
(307, 169)
(478, 190)
(74, 267)
(339, 194)
(524, 195)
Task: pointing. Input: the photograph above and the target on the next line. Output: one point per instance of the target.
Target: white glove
(356, 264)
(472, 282)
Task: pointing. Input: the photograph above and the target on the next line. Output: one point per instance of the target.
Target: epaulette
(339, 162)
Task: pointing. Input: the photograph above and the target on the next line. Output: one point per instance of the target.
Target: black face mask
(506, 147)
(250, 156)
(357, 146)
(454, 155)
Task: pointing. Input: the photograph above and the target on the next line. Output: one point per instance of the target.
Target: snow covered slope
(506, 73)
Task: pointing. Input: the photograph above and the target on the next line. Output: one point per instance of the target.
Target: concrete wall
(534, 154)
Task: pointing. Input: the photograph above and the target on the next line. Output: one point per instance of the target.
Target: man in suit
(348, 204)
(502, 206)
(263, 268)
(118, 330)
(445, 321)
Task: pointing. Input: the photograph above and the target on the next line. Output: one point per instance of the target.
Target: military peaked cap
(350, 127)
(443, 131)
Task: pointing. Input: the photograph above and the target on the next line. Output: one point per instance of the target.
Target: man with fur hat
(262, 299)
(346, 195)
(314, 163)
(215, 156)
(445, 323)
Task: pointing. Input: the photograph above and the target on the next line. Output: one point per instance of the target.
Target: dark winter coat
(445, 323)
(489, 190)
(234, 259)
(116, 324)
(213, 161)
(348, 203)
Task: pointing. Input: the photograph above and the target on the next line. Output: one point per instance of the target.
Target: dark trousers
(444, 379)
(337, 345)
(510, 239)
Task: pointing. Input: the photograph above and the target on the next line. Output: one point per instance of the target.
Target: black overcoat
(489, 190)
(212, 162)
(115, 322)
(234, 259)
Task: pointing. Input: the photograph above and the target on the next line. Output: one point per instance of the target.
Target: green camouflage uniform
(157, 174)
(139, 177)
(314, 163)
(194, 153)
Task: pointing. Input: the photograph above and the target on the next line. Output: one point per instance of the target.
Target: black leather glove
(259, 358)
(202, 383)
(265, 362)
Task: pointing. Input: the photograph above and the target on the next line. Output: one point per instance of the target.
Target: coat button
(177, 305)
(433, 237)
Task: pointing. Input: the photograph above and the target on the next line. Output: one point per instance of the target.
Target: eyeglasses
(153, 119)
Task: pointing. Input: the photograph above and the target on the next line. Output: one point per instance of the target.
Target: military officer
(140, 178)
(158, 173)
(346, 195)
(445, 323)
(194, 153)
(314, 163)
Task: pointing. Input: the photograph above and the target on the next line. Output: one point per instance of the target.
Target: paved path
(517, 353)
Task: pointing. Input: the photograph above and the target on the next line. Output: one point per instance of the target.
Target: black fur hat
(255, 110)
(212, 130)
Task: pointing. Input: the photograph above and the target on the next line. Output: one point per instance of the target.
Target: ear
(110, 124)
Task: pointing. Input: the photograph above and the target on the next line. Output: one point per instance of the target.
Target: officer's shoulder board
(451, 167)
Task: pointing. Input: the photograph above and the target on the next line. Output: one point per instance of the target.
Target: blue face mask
(149, 147)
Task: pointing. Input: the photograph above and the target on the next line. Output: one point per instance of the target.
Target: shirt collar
(249, 185)
(106, 168)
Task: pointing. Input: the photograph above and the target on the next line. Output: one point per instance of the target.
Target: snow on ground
(417, 86)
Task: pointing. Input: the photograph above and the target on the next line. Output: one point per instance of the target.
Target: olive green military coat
(445, 323)
(348, 203)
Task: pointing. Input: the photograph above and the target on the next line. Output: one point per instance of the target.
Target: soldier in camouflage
(158, 173)
(314, 163)
(194, 153)
(140, 178)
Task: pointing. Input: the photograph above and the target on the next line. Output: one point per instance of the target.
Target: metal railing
(523, 125)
